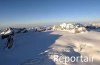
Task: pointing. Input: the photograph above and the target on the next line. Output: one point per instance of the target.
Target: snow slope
(69, 45)
(26, 46)
(37, 48)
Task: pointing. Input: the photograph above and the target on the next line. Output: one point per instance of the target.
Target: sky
(48, 11)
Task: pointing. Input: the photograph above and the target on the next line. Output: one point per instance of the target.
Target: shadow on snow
(27, 46)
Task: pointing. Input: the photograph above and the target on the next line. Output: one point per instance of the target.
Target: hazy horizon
(28, 25)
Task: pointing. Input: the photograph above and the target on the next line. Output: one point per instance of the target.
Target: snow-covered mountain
(70, 27)
(7, 31)
(49, 47)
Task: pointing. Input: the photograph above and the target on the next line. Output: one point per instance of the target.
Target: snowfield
(45, 48)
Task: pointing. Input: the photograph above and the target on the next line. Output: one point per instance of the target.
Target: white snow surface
(36, 48)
